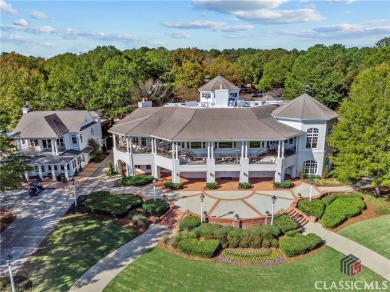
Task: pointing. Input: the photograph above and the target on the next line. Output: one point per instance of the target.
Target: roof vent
(25, 108)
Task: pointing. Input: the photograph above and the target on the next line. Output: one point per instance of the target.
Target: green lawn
(372, 233)
(75, 244)
(160, 270)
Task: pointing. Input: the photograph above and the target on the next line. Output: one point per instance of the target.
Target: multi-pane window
(310, 166)
(92, 131)
(74, 139)
(225, 144)
(143, 141)
(81, 138)
(312, 138)
(36, 168)
(255, 144)
(60, 142)
(34, 143)
(206, 95)
(43, 168)
(196, 145)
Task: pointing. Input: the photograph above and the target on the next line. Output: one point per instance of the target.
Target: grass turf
(75, 244)
(160, 270)
(372, 233)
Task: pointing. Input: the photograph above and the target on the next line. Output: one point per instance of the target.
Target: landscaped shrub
(187, 234)
(266, 242)
(223, 231)
(212, 185)
(173, 186)
(255, 241)
(274, 242)
(299, 244)
(265, 230)
(292, 233)
(155, 208)
(234, 237)
(139, 180)
(139, 220)
(314, 207)
(111, 205)
(251, 256)
(189, 223)
(244, 185)
(244, 242)
(285, 223)
(341, 209)
(200, 248)
(207, 230)
(284, 185)
(330, 198)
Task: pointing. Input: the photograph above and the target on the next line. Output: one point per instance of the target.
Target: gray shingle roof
(305, 107)
(216, 84)
(36, 124)
(206, 124)
(48, 158)
(268, 97)
(56, 124)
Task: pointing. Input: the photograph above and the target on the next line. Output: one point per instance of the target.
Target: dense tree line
(112, 81)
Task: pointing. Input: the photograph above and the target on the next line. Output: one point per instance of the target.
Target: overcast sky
(48, 28)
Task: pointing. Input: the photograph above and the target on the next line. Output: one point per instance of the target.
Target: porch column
(131, 144)
(177, 150)
(114, 140)
(282, 154)
(53, 173)
(56, 147)
(152, 145)
(242, 149)
(212, 150)
(127, 145)
(66, 171)
(53, 149)
(40, 172)
(208, 150)
(279, 148)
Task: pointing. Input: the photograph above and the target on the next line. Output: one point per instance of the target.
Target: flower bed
(250, 256)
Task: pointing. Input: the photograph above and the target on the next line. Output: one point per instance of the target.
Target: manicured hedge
(139, 180)
(314, 207)
(212, 185)
(173, 186)
(341, 209)
(207, 230)
(155, 208)
(291, 233)
(189, 223)
(265, 230)
(244, 185)
(200, 248)
(330, 198)
(299, 244)
(285, 223)
(284, 185)
(111, 205)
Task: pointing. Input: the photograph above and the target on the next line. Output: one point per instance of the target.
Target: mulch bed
(6, 219)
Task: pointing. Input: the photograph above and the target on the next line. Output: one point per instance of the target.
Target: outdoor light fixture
(154, 189)
(11, 276)
(273, 208)
(201, 208)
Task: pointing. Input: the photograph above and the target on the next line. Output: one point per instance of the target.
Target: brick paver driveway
(35, 217)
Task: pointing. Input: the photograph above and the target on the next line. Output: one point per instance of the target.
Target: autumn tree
(222, 66)
(361, 139)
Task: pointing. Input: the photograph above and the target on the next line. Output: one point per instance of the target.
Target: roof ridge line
(147, 118)
(194, 111)
(303, 107)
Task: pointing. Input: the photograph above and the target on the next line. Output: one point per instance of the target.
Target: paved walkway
(369, 258)
(97, 277)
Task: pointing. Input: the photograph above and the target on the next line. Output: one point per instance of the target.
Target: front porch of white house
(208, 160)
(68, 163)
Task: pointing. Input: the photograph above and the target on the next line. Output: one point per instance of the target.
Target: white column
(40, 171)
(279, 147)
(53, 173)
(242, 149)
(152, 145)
(53, 147)
(177, 150)
(127, 145)
(26, 175)
(114, 140)
(66, 171)
(246, 149)
(208, 150)
(56, 147)
(282, 149)
(212, 150)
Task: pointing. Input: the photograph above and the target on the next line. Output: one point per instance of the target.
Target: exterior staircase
(298, 216)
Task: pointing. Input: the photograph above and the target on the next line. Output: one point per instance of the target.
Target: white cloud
(7, 8)
(30, 29)
(40, 15)
(342, 1)
(21, 22)
(178, 35)
(260, 11)
(341, 31)
(207, 24)
(26, 41)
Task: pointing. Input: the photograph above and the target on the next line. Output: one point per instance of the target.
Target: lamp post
(201, 208)
(311, 188)
(273, 209)
(74, 192)
(154, 189)
(11, 276)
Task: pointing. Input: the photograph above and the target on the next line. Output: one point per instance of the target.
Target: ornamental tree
(361, 140)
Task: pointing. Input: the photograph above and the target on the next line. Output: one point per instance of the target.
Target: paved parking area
(35, 217)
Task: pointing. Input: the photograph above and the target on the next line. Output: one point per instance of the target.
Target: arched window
(312, 138)
(310, 166)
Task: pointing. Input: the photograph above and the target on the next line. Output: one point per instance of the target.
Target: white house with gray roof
(56, 141)
(222, 136)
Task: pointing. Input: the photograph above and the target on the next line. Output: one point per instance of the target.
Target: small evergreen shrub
(299, 244)
(284, 185)
(244, 185)
(291, 233)
(189, 223)
(187, 234)
(212, 185)
(285, 223)
(330, 198)
(265, 230)
(207, 230)
(173, 186)
(111, 205)
(139, 180)
(244, 242)
(274, 242)
(255, 241)
(234, 237)
(200, 248)
(341, 209)
(139, 220)
(155, 208)
(314, 207)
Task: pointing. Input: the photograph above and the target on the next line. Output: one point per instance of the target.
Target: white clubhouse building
(222, 136)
